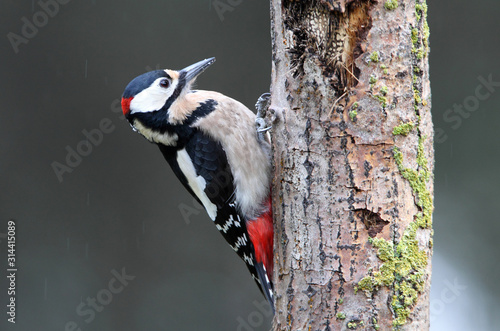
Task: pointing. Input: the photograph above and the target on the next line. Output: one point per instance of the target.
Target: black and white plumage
(211, 144)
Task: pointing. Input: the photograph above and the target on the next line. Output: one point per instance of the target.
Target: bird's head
(152, 94)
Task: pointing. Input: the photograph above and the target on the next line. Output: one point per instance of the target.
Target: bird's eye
(164, 83)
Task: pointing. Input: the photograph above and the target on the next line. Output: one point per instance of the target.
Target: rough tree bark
(353, 151)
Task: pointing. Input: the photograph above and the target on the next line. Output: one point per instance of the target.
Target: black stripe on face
(181, 83)
(158, 121)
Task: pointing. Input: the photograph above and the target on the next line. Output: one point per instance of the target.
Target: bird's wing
(202, 168)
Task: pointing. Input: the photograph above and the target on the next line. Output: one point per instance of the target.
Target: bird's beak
(194, 70)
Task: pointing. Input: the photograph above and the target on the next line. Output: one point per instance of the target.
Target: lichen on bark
(404, 267)
(405, 263)
(351, 210)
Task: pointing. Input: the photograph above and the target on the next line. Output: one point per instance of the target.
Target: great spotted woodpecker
(212, 145)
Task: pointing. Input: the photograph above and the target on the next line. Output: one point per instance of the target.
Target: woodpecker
(215, 149)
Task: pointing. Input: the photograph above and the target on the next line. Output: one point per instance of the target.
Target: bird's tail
(265, 283)
(261, 234)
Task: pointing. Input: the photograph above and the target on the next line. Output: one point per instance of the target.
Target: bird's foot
(262, 105)
(261, 124)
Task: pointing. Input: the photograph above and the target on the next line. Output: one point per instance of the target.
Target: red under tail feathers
(261, 234)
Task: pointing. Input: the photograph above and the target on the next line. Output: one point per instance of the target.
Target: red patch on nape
(126, 105)
(261, 234)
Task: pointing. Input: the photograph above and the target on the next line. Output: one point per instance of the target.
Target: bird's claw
(261, 125)
(264, 129)
(262, 105)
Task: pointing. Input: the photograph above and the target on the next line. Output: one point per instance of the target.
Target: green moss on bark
(391, 4)
(403, 129)
(374, 57)
(404, 264)
(381, 99)
(420, 48)
(353, 114)
(403, 267)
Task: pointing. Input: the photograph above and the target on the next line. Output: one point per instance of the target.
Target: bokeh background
(121, 210)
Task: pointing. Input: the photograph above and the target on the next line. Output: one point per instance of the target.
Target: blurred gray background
(119, 209)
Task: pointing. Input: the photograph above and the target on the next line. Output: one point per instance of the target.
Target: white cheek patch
(152, 98)
(197, 183)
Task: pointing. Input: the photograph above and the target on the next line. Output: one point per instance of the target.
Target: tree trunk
(353, 161)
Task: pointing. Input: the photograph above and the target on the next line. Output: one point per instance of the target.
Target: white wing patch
(197, 183)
